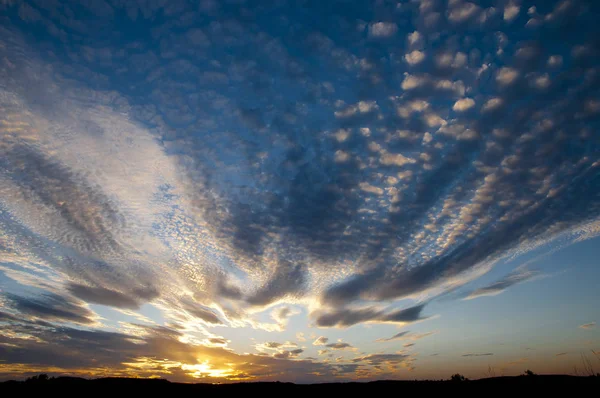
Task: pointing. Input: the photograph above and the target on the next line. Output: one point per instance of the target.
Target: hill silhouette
(514, 384)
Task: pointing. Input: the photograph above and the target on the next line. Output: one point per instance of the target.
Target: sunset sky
(306, 191)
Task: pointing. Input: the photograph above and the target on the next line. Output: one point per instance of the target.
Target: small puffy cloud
(409, 108)
(321, 340)
(592, 106)
(459, 132)
(456, 87)
(590, 325)
(463, 104)
(286, 354)
(411, 82)
(555, 61)
(433, 120)
(365, 186)
(541, 82)
(414, 57)
(342, 135)
(492, 104)
(511, 10)
(506, 76)
(382, 29)
(341, 156)
(462, 12)
(395, 159)
(273, 345)
(338, 346)
(447, 60)
(414, 38)
(360, 107)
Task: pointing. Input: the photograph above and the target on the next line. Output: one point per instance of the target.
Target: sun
(205, 369)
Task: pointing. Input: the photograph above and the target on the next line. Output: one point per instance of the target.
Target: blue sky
(299, 191)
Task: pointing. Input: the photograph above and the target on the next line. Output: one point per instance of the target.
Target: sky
(305, 191)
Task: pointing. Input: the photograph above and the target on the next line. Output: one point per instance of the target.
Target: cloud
(397, 336)
(288, 354)
(218, 341)
(282, 315)
(590, 325)
(477, 355)
(349, 317)
(52, 307)
(491, 104)
(414, 38)
(284, 282)
(501, 285)
(158, 351)
(506, 76)
(201, 312)
(112, 298)
(338, 346)
(315, 166)
(405, 335)
(511, 10)
(411, 82)
(320, 341)
(555, 61)
(462, 12)
(414, 57)
(382, 359)
(382, 29)
(463, 104)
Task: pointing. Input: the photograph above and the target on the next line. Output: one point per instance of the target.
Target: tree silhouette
(38, 378)
(458, 377)
(529, 373)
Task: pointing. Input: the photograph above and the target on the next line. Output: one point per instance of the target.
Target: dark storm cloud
(52, 307)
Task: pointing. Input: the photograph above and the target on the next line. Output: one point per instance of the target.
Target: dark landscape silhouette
(529, 382)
